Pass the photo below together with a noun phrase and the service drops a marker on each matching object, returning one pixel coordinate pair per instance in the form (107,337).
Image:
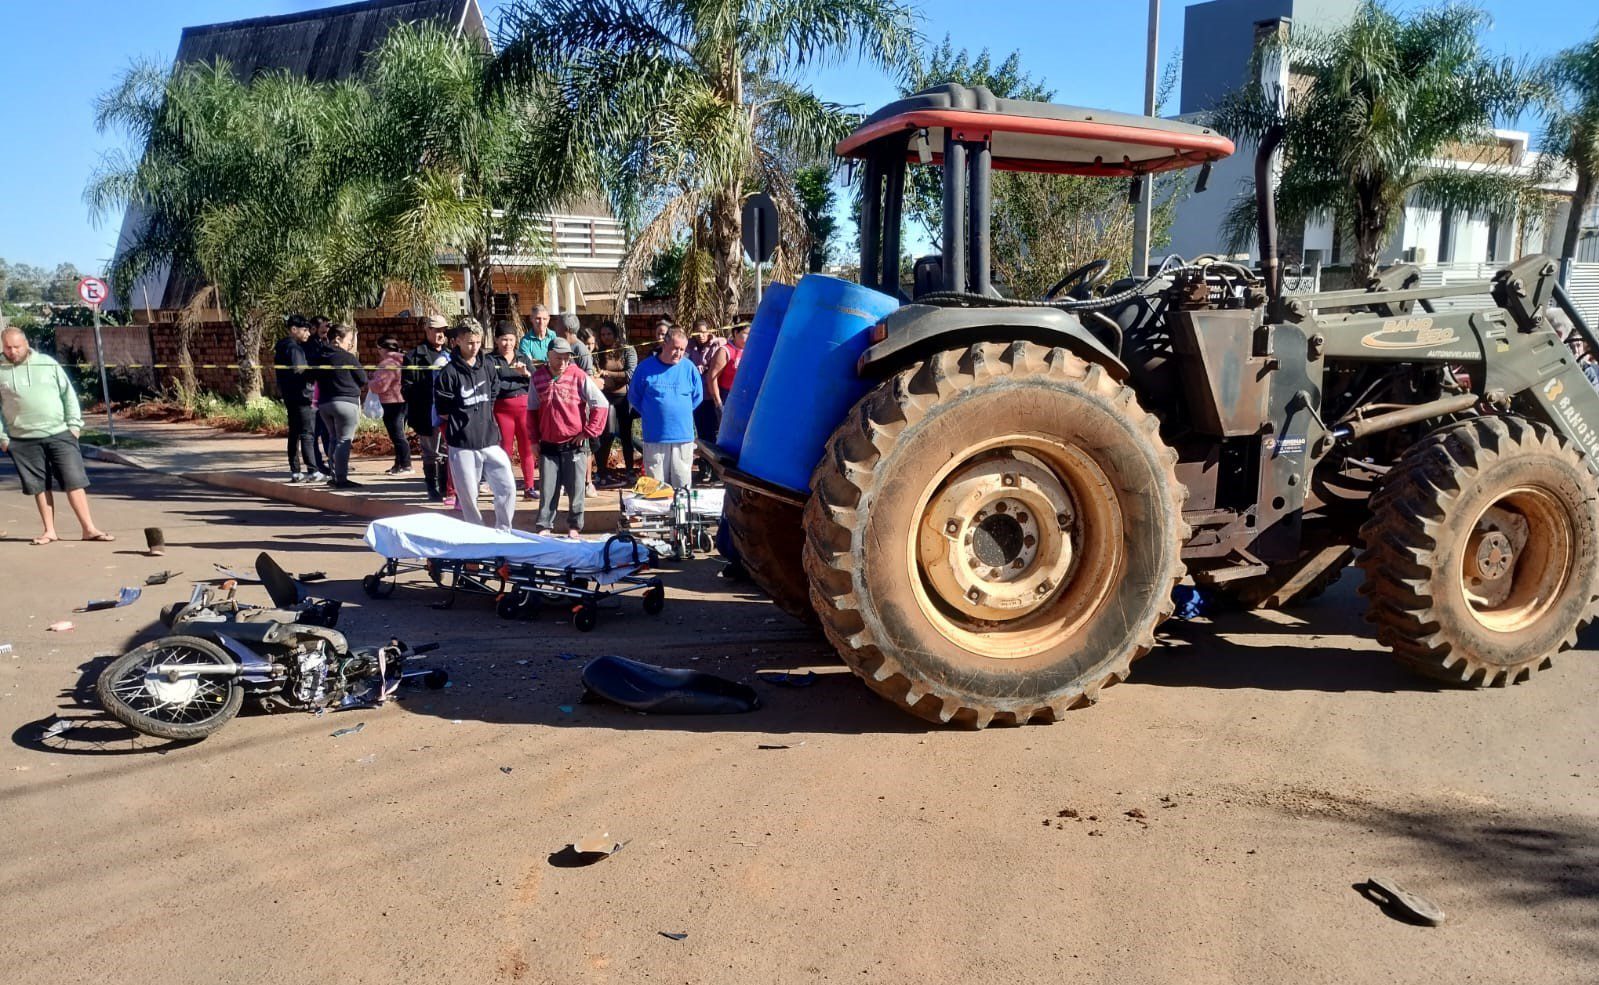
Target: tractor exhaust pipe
(1266,212)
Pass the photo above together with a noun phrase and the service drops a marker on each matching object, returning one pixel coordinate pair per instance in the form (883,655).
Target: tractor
(996,530)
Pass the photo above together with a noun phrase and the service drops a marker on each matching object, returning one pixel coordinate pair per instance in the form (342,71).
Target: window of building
(1446,236)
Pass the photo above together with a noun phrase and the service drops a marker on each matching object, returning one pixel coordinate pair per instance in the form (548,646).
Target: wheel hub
(1495,555)
(171,687)
(1516,560)
(996,539)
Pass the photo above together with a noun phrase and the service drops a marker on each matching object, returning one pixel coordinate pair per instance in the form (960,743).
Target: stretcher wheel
(376,587)
(585,618)
(506,606)
(528,604)
(654,600)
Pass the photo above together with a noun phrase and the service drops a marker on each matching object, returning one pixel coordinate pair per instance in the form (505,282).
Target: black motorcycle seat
(665,690)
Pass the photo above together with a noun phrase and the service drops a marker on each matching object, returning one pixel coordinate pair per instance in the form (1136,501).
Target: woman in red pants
(510,410)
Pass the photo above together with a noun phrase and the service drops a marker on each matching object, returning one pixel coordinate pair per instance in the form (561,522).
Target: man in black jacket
(416,385)
(295,383)
(464,392)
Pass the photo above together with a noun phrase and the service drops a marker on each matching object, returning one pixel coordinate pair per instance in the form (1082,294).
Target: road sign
(760,227)
(93,291)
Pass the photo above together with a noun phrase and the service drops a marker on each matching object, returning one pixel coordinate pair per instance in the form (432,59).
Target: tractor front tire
(1481,557)
(769,536)
(994,534)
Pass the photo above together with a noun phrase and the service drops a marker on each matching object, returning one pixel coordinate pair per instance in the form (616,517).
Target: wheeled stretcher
(522,571)
(679,524)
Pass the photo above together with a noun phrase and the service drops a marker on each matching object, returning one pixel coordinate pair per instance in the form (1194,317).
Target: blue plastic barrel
(811,382)
(758,349)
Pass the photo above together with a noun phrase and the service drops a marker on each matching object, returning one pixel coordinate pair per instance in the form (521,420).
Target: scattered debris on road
(161,577)
(673,937)
(126,596)
(349,731)
(58,627)
(1400,903)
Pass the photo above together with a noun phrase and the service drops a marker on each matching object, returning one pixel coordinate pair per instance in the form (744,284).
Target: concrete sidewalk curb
(310,497)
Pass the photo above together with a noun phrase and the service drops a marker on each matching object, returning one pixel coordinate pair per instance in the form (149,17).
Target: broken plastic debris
(311,576)
(58,627)
(126,596)
(787,678)
(671,936)
(5,647)
(1401,902)
(506,770)
(368,758)
(161,577)
(358,726)
(773,745)
(58,726)
(565,709)
(237,576)
(599,843)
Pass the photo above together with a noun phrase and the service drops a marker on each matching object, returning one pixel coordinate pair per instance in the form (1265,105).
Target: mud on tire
(770,540)
(1481,557)
(935,573)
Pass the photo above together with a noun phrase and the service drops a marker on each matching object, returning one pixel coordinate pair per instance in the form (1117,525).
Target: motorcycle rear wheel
(189,708)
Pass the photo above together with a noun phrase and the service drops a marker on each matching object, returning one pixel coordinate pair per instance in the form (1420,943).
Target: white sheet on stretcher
(706,503)
(430,535)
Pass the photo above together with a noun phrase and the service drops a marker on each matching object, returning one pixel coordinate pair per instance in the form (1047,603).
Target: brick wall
(213,346)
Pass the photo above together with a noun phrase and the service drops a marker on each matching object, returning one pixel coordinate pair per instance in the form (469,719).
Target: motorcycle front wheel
(147,689)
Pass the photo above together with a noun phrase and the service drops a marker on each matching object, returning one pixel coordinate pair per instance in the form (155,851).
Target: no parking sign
(93,291)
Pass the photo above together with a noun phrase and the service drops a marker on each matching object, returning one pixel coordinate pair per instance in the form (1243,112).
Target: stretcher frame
(521,588)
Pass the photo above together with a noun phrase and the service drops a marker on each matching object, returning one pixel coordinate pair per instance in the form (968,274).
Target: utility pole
(1145,208)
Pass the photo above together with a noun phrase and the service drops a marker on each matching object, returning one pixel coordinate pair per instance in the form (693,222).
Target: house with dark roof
(331,43)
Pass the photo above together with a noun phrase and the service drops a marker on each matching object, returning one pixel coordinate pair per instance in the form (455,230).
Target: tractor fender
(916,331)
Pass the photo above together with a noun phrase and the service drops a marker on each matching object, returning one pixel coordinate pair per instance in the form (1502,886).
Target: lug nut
(1021,517)
(1001,506)
(1008,479)
(1029,541)
(1063,519)
(973,596)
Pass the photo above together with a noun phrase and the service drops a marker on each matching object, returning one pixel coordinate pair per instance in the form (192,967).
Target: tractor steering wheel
(1090,273)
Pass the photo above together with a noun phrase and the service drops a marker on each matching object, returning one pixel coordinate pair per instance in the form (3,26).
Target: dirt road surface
(1206,822)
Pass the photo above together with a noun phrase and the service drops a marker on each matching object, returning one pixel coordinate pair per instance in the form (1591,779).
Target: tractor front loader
(995,530)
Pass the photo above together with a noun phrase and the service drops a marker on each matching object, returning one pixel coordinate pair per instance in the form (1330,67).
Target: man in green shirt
(39,427)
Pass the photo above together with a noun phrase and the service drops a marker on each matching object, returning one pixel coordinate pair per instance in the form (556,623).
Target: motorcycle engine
(310,679)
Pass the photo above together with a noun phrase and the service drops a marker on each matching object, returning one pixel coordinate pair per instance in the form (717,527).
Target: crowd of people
(546,403)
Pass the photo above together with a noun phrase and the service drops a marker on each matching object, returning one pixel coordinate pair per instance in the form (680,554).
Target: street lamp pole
(1145,207)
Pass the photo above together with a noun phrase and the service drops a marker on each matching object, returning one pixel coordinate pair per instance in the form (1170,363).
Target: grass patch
(100,439)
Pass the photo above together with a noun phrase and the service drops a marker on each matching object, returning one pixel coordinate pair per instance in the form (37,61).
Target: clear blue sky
(59,55)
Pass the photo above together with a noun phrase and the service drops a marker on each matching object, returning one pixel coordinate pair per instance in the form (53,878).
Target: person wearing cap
(296,385)
(567,328)
(385,385)
(568,410)
(535,342)
(416,386)
(464,392)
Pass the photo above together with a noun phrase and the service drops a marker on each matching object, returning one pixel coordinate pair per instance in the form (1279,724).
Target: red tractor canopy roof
(1032,136)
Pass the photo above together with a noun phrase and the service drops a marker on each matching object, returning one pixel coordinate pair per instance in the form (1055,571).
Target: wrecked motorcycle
(187,685)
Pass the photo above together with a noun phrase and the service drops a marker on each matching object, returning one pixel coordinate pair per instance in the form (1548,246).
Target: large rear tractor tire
(770,539)
(994,535)
(1482,552)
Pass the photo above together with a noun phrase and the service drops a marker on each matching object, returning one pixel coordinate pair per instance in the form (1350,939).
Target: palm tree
(1370,110)
(1572,127)
(431,157)
(680,108)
